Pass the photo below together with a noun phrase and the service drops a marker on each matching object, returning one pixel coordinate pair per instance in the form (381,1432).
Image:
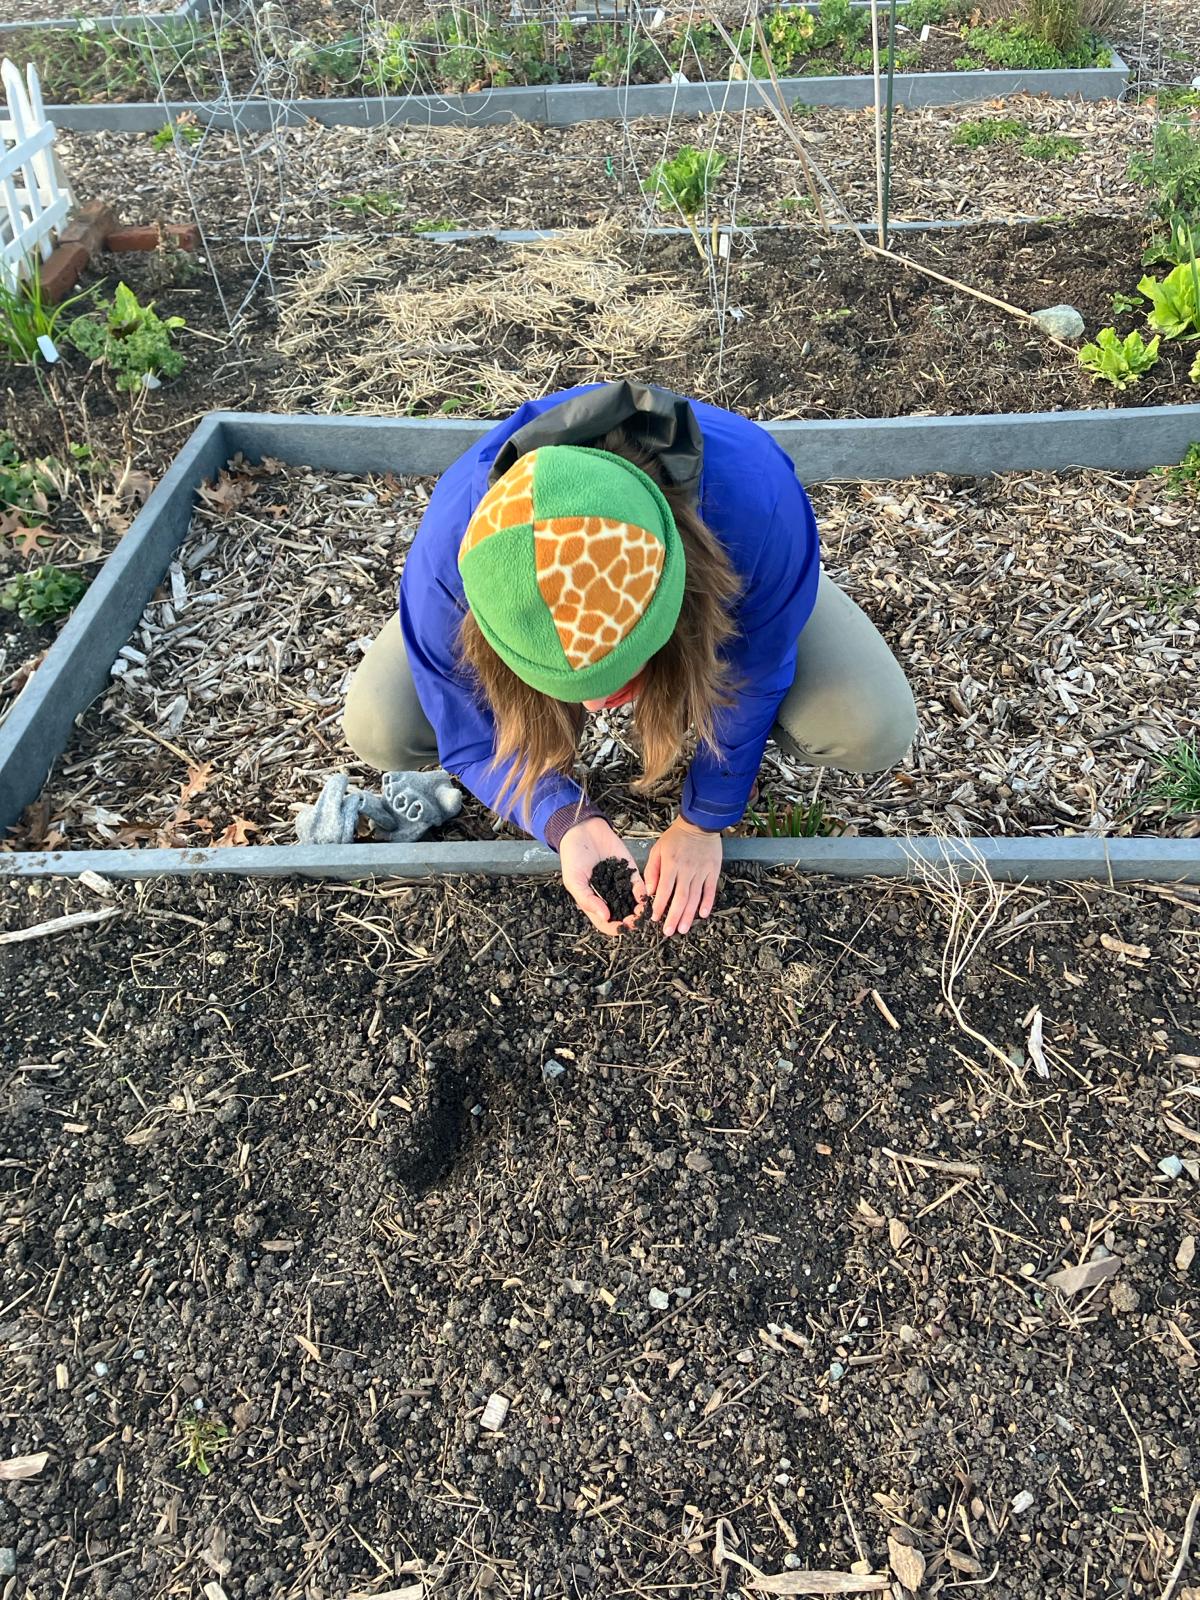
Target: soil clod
(612,880)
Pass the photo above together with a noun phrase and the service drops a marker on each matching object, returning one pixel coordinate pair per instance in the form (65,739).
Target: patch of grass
(978,132)
(43,595)
(793,821)
(1050,147)
(1178,785)
(436,225)
(374,203)
(202,1438)
(1183,481)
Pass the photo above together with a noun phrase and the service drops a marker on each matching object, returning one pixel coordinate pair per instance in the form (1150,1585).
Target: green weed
(1016,45)
(1172,170)
(1183,481)
(26,316)
(172,132)
(793,821)
(25,486)
(374,203)
(685,184)
(975,133)
(1049,147)
(202,1437)
(43,595)
(1178,786)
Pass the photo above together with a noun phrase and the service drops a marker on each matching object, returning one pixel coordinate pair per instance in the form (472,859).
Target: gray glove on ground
(411,804)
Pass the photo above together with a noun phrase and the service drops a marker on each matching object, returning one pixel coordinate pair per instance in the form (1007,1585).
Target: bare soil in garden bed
(34,11)
(311,50)
(800,325)
(384,181)
(770,1270)
(1046,622)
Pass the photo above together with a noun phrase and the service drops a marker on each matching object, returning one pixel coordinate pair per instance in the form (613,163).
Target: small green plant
(1174,301)
(43,595)
(26,317)
(839,25)
(1056,22)
(180,131)
(1172,170)
(1018,45)
(435,225)
(685,184)
(918,14)
(1178,786)
(1174,244)
(789,35)
(336,61)
(1049,147)
(395,63)
(1177,99)
(1125,302)
(374,203)
(974,133)
(25,486)
(202,1437)
(793,821)
(1183,481)
(621,55)
(131,339)
(1118,361)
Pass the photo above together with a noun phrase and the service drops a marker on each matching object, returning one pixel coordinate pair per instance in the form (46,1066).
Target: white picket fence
(35,197)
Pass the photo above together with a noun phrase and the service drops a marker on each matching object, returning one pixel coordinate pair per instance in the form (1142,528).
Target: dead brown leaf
(238,832)
(1140,952)
(906,1562)
(1070,1280)
(18,1467)
(195,783)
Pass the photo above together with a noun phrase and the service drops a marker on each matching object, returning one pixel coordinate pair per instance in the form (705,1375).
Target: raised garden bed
(307,68)
(1039,732)
(801,325)
(88,16)
(294,1174)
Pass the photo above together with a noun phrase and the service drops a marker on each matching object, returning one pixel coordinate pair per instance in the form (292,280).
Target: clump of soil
(612,880)
(764,1264)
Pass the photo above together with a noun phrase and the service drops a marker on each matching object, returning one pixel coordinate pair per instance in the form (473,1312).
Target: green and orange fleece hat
(573,568)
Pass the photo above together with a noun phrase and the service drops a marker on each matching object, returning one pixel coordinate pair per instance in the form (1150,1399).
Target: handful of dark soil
(612,880)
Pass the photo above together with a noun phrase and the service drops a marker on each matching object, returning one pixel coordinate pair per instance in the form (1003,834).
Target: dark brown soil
(47,409)
(613,882)
(812,326)
(286,1162)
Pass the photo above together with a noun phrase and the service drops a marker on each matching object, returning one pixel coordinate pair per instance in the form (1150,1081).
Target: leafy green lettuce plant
(685,183)
(1120,362)
(131,339)
(1175,301)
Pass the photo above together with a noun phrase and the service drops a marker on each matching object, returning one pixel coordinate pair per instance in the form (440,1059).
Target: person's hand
(682,875)
(580,851)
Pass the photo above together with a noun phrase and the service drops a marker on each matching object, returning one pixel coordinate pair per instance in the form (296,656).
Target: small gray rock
(836,1371)
(659,1300)
(1060,322)
(8,1561)
(552,1069)
(1171,1167)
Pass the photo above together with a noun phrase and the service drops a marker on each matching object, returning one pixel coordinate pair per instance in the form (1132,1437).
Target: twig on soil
(959,1169)
(1185,1545)
(74,919)
(1141,1451)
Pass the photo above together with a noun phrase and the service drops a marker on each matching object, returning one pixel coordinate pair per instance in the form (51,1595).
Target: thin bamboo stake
(880,202)
(977,294)
(891,114)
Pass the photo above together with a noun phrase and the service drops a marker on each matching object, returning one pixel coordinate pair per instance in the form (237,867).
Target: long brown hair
(682,686)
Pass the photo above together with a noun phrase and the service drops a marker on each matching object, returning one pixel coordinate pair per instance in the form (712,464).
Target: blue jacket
(751,499)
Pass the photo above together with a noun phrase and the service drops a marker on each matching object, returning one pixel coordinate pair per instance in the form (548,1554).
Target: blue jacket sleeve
(466,730)
(776,602)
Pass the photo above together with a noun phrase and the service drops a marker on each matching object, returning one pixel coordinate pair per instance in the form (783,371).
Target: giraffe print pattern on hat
(507,504)
(597,577)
